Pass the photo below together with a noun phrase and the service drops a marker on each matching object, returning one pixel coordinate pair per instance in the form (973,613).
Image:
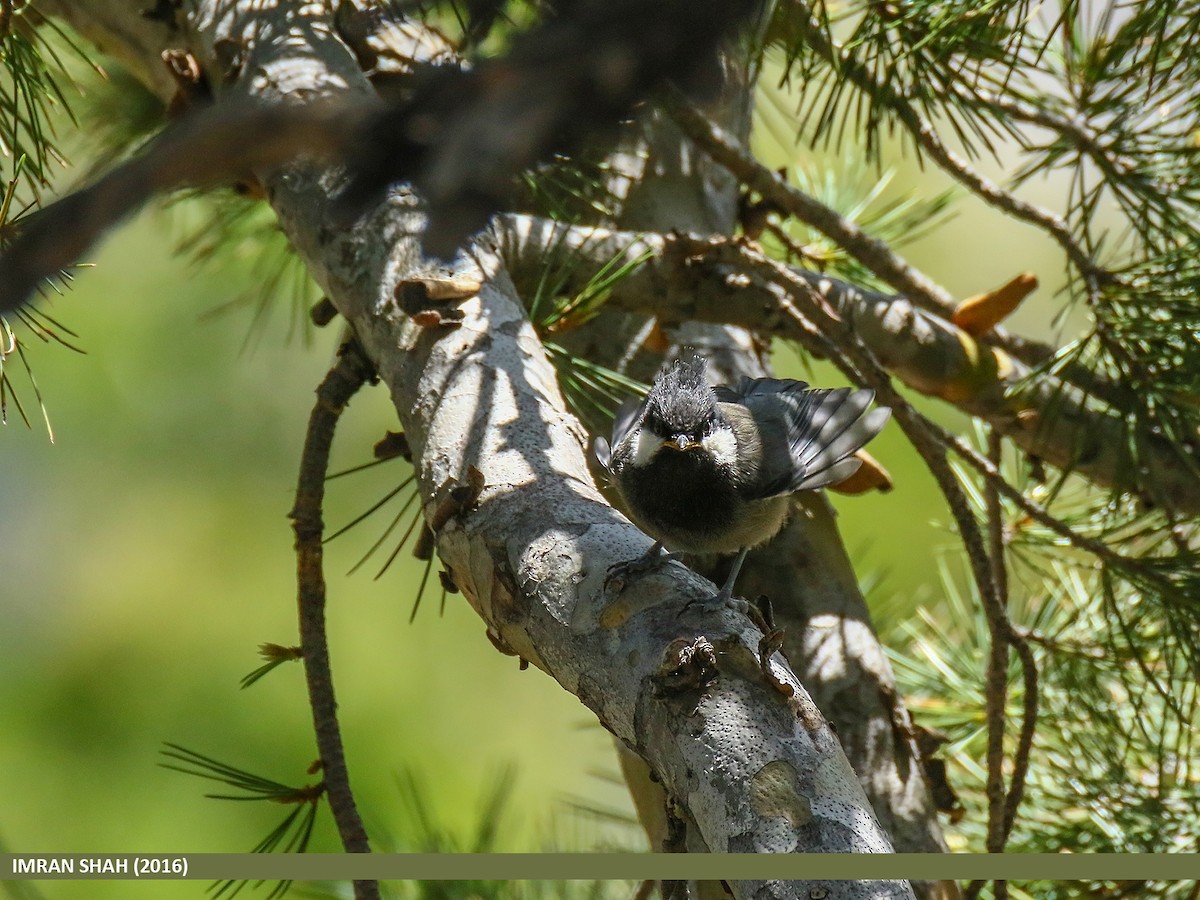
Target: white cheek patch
(722,445)
(644,447)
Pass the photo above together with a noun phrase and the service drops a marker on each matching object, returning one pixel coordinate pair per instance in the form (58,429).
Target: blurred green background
(146,553)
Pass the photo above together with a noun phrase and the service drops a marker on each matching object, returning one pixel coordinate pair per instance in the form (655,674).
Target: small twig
(1072,648)
(997,666)
(350,373)
(798,252)
(927,139)
(994,195)
(1015,639)
(1072,129)
(871,252)
(1029,714)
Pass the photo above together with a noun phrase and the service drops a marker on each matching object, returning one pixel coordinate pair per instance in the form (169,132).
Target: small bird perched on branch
(704,469)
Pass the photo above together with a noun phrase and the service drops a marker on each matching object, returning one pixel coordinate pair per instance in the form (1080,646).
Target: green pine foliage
(1106,92)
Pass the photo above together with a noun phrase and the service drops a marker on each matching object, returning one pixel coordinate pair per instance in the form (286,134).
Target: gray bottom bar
(600,866)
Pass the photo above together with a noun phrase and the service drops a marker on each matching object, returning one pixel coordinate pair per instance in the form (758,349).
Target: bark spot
(504,595)
(806,711)
(775,791)
(616,614)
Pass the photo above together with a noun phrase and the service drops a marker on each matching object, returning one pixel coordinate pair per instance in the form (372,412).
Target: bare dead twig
(1029,714)
(350,373)
(996,680)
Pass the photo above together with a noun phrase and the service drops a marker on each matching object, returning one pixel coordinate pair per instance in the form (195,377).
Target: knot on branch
(687,665)
(456,498)
(431,302)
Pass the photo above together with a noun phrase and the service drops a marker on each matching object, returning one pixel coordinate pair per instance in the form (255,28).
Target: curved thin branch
(987,566)
(349,374)
(927,139)
(997,547)
(996,678)
(871,252)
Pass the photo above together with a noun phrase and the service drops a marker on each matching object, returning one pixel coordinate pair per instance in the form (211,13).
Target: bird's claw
(620,574)
(722,598)
(759,612)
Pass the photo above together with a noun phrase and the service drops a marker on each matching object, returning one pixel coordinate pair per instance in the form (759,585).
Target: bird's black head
(682,403)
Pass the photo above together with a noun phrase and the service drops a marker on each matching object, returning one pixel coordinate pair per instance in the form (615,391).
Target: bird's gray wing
(809,436)
(752,387)
(624,421)
(842,423)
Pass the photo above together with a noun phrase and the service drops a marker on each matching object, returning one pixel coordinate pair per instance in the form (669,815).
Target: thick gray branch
(754,769)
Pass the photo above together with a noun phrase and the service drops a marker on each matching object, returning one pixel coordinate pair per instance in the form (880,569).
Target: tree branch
(878,257)
(349,374)
(829,638)
(871,252)
(756,770)
(722,280)
(927,139)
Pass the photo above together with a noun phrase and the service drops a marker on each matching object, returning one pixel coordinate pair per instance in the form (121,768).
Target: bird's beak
(682,442)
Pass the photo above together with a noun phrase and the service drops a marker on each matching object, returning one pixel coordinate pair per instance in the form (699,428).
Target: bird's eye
(657,425)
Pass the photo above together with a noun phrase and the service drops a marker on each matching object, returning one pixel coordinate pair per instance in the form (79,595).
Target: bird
(706,469)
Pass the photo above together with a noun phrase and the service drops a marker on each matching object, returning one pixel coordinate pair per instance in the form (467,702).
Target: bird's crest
(681,400)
